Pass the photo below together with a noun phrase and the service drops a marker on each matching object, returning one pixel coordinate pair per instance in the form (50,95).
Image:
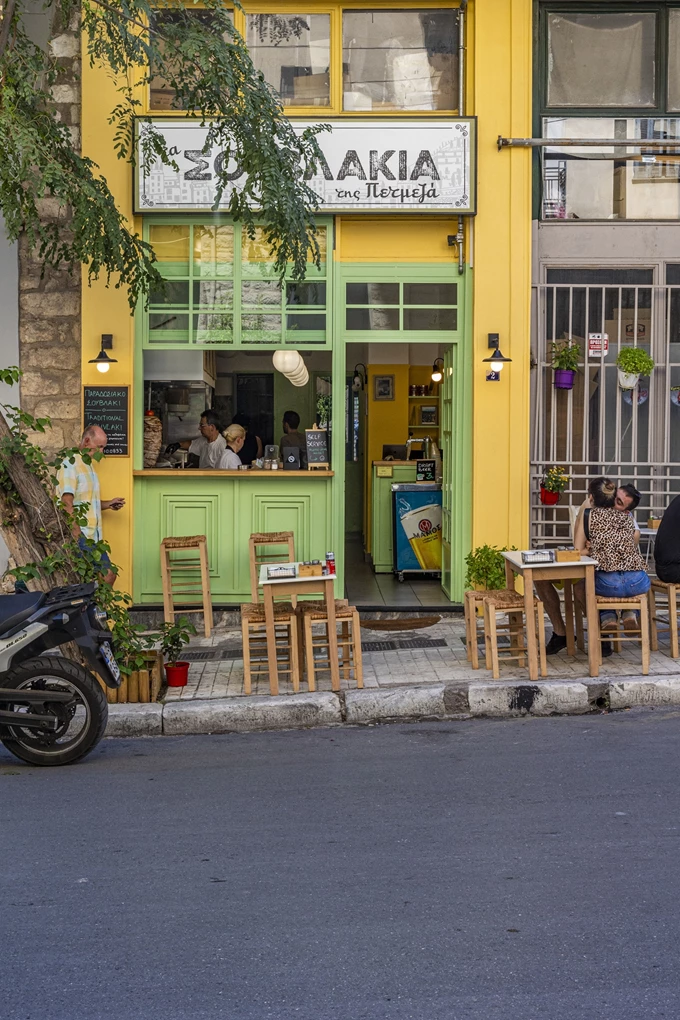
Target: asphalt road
(516,870)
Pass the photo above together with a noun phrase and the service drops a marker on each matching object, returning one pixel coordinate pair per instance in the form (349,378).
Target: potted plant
(173,638)
(565,359)
(485,568)
(675,395)
(553,485)
(632,362)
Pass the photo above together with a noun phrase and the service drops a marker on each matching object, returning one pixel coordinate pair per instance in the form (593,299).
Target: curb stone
(492,699)
(632,693)
(372,706)
(282,712)
(135,721)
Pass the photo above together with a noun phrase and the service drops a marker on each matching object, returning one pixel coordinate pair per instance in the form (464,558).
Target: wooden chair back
(268,547)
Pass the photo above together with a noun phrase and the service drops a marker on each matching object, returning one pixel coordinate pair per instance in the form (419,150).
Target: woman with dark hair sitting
(609,536)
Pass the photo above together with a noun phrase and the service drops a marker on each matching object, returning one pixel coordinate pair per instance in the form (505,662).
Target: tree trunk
(35,528)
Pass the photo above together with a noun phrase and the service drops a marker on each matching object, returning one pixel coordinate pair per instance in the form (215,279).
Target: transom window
(401,307)
(221,290)
(362,60)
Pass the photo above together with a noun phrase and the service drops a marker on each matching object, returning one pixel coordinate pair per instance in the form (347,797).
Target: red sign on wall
(598,344)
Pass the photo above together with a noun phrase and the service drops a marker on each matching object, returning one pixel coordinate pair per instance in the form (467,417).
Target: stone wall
(50,304)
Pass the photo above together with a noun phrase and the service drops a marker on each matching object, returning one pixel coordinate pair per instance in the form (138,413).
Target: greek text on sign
(598,344)
(367,165)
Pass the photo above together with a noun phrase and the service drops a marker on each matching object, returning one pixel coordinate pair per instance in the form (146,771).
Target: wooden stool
(349,640)
(188,558)
(474,600)
(639,634)
(269,547)
(511,603)
(670,624)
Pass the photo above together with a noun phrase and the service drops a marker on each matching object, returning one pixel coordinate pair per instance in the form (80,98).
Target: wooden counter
(226,507)
(258,473)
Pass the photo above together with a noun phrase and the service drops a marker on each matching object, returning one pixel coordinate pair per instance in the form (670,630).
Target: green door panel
(381,515)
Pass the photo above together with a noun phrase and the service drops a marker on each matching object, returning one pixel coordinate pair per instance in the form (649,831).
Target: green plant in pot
(632,362)
(565,360)
(555,481)
(485,568)
(174,636)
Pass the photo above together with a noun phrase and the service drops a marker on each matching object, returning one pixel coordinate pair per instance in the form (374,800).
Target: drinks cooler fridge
(417,528)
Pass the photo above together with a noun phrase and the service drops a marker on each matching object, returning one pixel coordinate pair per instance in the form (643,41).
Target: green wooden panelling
(382,542)
(227,510)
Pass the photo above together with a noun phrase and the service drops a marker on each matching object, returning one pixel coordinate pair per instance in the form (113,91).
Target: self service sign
(366,166)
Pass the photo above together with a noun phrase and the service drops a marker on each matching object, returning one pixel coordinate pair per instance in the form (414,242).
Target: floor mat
(405,623)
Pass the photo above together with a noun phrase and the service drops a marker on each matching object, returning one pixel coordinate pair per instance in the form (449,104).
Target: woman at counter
(235,436)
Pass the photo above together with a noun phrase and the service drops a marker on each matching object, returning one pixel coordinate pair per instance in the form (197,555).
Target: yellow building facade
(483,425)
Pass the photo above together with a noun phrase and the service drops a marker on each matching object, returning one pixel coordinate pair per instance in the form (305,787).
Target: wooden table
(530,572)
(323,586)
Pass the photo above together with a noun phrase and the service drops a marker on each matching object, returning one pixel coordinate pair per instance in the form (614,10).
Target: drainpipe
(461,56)
(460,236)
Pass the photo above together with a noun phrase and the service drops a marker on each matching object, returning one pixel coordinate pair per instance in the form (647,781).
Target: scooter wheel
(81,723)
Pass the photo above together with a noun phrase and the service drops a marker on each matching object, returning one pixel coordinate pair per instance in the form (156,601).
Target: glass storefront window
(400,60)
(293,51)
(673,62)
(601,59)
(604,183)
(220,289)
(161,96)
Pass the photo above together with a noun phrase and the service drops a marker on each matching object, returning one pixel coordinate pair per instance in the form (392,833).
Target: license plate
(110,661)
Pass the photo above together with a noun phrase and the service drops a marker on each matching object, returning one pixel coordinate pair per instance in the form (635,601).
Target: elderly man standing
(77,485)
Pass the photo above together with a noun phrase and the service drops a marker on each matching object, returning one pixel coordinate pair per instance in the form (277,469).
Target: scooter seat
(15,609)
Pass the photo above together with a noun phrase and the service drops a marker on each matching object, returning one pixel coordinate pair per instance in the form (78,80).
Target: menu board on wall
(367,165)
(108,406)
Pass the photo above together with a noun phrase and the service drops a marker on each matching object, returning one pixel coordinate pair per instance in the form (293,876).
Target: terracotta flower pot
(564,378)
(177,673)
(549,498)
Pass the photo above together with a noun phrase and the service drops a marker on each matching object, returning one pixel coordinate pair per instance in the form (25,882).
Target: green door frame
(459,455)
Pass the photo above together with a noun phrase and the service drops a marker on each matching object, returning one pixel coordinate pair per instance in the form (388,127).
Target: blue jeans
(619,584)
(104,561)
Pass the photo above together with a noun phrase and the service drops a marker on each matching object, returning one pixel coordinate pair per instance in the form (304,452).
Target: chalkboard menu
(426,471)
(317,447)
(107,406)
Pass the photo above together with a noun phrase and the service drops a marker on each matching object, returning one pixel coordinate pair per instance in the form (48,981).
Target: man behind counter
(206,452)
(293,438)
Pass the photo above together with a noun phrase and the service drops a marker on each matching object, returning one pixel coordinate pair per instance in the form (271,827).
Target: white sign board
(368,166)
(598,344)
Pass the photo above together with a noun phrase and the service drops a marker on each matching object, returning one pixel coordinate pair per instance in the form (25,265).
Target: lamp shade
(299,378)
(287,362)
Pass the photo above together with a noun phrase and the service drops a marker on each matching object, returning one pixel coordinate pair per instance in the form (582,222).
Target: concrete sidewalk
(408,675)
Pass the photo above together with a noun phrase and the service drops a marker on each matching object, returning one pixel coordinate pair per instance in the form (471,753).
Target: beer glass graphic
(423,529)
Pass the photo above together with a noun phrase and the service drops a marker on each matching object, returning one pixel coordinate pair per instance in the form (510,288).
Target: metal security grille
(598,428)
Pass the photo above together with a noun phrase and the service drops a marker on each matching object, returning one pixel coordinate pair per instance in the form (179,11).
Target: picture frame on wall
(428,414)
(383,387)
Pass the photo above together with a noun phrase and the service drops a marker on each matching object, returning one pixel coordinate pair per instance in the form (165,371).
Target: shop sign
(598,344)
(367,166)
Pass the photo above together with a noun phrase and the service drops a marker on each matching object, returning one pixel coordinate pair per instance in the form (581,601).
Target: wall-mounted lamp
(437,372)
(359,378)
(496,361)
(103,361)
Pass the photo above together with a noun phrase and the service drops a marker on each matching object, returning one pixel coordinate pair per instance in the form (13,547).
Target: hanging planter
(555,481)
(564,379)
(675,395)
(632,362)
(628,380)
(549,498)
(565,361)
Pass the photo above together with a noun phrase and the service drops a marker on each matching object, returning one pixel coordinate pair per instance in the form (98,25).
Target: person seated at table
(626,501)
(667,545)
(609,536)
(252,447)
(292,438)
(235,437)
(206,451)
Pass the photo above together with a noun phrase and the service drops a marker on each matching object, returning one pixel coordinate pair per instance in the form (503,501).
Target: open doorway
(397,431)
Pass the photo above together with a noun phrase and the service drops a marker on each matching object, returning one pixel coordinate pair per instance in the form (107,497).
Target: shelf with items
(427,396)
